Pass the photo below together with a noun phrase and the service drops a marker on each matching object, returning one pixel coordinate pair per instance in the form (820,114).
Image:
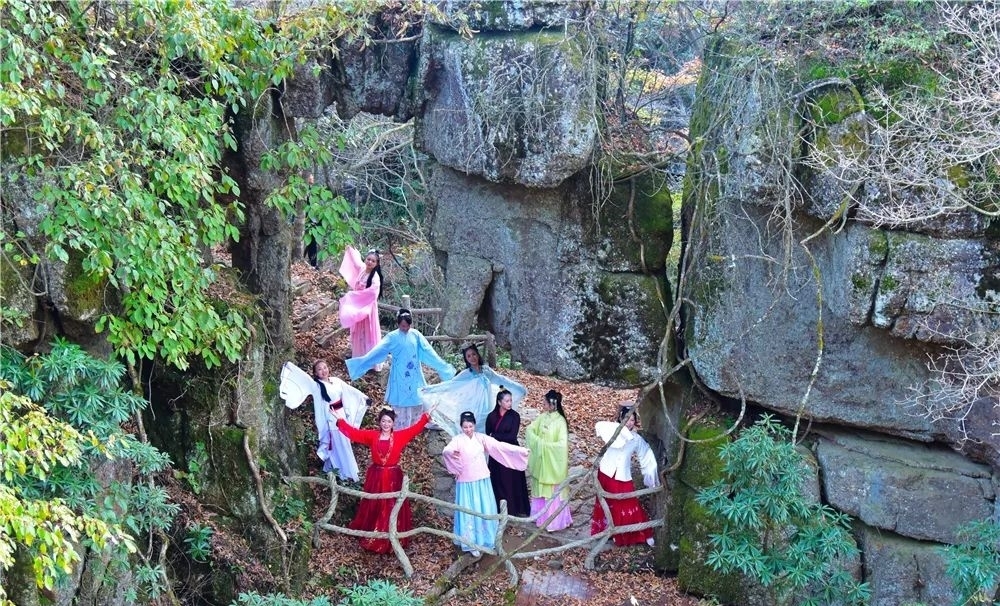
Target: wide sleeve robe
(409,350)
(465,457)
(548,442)
(358,309)
(468,391)
(334,449)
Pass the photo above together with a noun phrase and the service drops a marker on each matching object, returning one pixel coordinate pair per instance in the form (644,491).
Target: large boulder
(549,293)
(911,489)
(507,15)
(797,312)
(515,108)
(904,571)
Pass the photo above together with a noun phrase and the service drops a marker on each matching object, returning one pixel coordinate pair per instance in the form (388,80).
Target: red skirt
(373,514)
(623,512)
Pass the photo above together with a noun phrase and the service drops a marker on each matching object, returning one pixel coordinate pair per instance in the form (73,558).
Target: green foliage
(329,220)
(148,580)
(32,446)
(61,419)
(771,531)
(506,360)
(196,465)
(973,563)
(278,599)
(288,508)
(378,592)
(125,111)
(198,542)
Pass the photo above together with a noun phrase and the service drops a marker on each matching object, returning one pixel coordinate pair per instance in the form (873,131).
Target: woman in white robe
(328,394)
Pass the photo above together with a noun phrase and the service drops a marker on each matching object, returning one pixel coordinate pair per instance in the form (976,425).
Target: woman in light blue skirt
(465,458)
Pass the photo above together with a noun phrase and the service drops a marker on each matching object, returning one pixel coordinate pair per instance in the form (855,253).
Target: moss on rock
(622,323)
(690,524)
(85,291)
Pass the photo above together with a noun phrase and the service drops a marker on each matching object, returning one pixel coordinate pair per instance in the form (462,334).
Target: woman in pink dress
(359,307)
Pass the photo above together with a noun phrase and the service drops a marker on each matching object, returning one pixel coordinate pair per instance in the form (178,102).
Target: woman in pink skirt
(359,307)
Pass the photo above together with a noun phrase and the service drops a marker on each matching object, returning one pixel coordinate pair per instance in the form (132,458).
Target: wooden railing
(596,542)
(488,340)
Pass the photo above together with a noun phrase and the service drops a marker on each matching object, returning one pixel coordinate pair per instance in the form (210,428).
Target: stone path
(539,586)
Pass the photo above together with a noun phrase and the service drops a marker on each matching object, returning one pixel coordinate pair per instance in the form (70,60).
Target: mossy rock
(18,301)
(690,525)
(85,291)
(833,106)
(636,225)
(623,321)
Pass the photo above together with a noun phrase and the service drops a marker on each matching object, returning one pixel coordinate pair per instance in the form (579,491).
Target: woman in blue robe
(474,390)
(409,349)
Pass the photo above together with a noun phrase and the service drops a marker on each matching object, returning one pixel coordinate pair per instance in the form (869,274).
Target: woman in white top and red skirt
(615,476)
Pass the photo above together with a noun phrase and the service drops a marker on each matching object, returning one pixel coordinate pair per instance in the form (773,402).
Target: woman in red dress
(383,475)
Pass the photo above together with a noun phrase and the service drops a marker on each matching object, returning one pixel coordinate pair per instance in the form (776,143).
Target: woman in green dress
(548,443)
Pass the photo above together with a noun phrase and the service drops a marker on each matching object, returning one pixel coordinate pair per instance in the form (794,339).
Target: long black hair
(473,347)
(322,387)
(376,270)
(500,394)
(554,397)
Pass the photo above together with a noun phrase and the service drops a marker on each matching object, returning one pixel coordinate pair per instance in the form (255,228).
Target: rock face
(879,301)
(805,306)
(51,297)
(571,279)
(903,571)
(560,305)
(518,108)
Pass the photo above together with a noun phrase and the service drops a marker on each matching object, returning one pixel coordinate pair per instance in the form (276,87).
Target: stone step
(322,310)
(301,287)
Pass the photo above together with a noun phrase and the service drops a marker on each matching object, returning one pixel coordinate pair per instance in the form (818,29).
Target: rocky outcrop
(509,15)
(217,426)
(771,283)
(372,75)
(803,304)
(570,277)
(561,305)
(904,571)
(517,109)
(52,296)
(913,490)
(263,253)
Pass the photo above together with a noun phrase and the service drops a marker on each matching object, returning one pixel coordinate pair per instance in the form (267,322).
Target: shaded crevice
(879,271)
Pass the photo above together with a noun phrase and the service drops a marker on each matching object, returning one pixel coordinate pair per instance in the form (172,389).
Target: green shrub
(974,563)
(276,599)
(198,542)
(772,532)
(378,592)
(61,417)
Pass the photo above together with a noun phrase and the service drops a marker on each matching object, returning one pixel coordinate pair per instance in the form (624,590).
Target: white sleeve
(647,463)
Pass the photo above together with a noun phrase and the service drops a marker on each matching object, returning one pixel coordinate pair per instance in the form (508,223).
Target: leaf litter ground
(622,575)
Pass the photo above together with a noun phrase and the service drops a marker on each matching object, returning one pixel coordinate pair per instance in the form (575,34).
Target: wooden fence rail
(596,542)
